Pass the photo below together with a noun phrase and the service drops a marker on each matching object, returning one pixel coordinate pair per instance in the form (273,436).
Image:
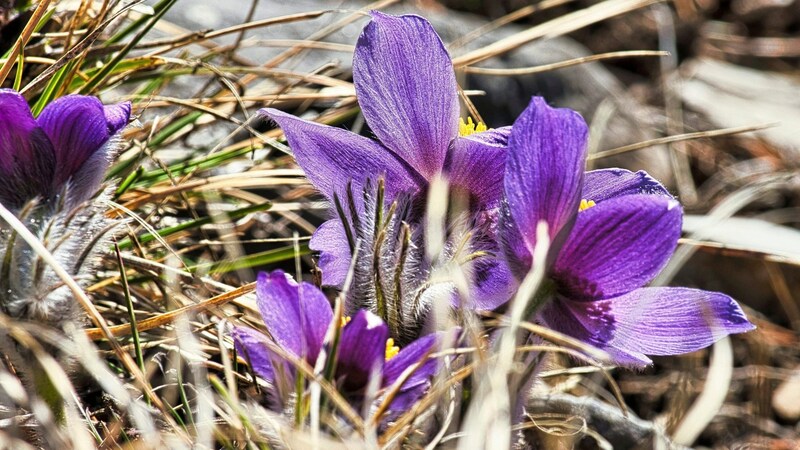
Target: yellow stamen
(391,349)
(345,321)
(586,204)
(470,127)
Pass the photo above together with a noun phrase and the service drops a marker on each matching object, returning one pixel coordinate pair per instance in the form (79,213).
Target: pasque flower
(407,90)
(612,232)
(49,167)
(297,317)
(64,151)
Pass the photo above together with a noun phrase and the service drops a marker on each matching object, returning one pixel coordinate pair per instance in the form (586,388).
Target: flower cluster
(611,230)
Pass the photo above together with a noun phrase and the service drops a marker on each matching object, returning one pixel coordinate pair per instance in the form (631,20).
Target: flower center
(586,204)
(470,127)
(391,349)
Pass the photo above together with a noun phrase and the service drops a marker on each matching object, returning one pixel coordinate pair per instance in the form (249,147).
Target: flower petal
(603,184)
(317,316)
(27,159)
(406,87)
(296,316)
(78,127)
(492,284)
(251,345)
(617,246)
(476,168)
(332,157)
(117,116)
(544,170)
(334,260)
(649,321)
(415,386)
(412,354)
(673,321)
(495,136)
(362,349)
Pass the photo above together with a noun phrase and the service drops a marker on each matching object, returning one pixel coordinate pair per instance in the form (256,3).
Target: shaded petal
(317,316)
(251,345)
(673,321)
(515,250)
(493,284)
(406,87)
(617,246)
(27,159)
(412,354)
(296,316)
(334,259)
(589,322)
(495,136)
(331,157)
(476,168)
(603,184)
(362,349)
(78,127)
(419,381)
(544,169)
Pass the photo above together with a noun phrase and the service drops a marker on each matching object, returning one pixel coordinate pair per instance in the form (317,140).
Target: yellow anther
(391,349)
(586,204)
(470,127)
(345,321)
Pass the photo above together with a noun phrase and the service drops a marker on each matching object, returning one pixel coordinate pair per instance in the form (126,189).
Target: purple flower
(298,316)
(406,87)
(65,147)
(612,232)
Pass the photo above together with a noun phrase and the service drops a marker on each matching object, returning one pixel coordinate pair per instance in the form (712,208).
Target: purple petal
(544,170)
(475,168)
(317,316)
(78,127)
(493,284)
(406,87)
(331,157)
(334,259)
(617,246)
(673,321)
(418,383)
(650,321)
(251,345)
(362,349)
(27,159)
(603,184)
(589,322)
(495,136)
(412,354)
(296,316)
(117,116)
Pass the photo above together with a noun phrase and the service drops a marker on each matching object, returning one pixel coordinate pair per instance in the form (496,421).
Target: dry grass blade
(169,317)
(556,27)
(678,138)
(37,16)
(562,64)
(713,396)
(508,18)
